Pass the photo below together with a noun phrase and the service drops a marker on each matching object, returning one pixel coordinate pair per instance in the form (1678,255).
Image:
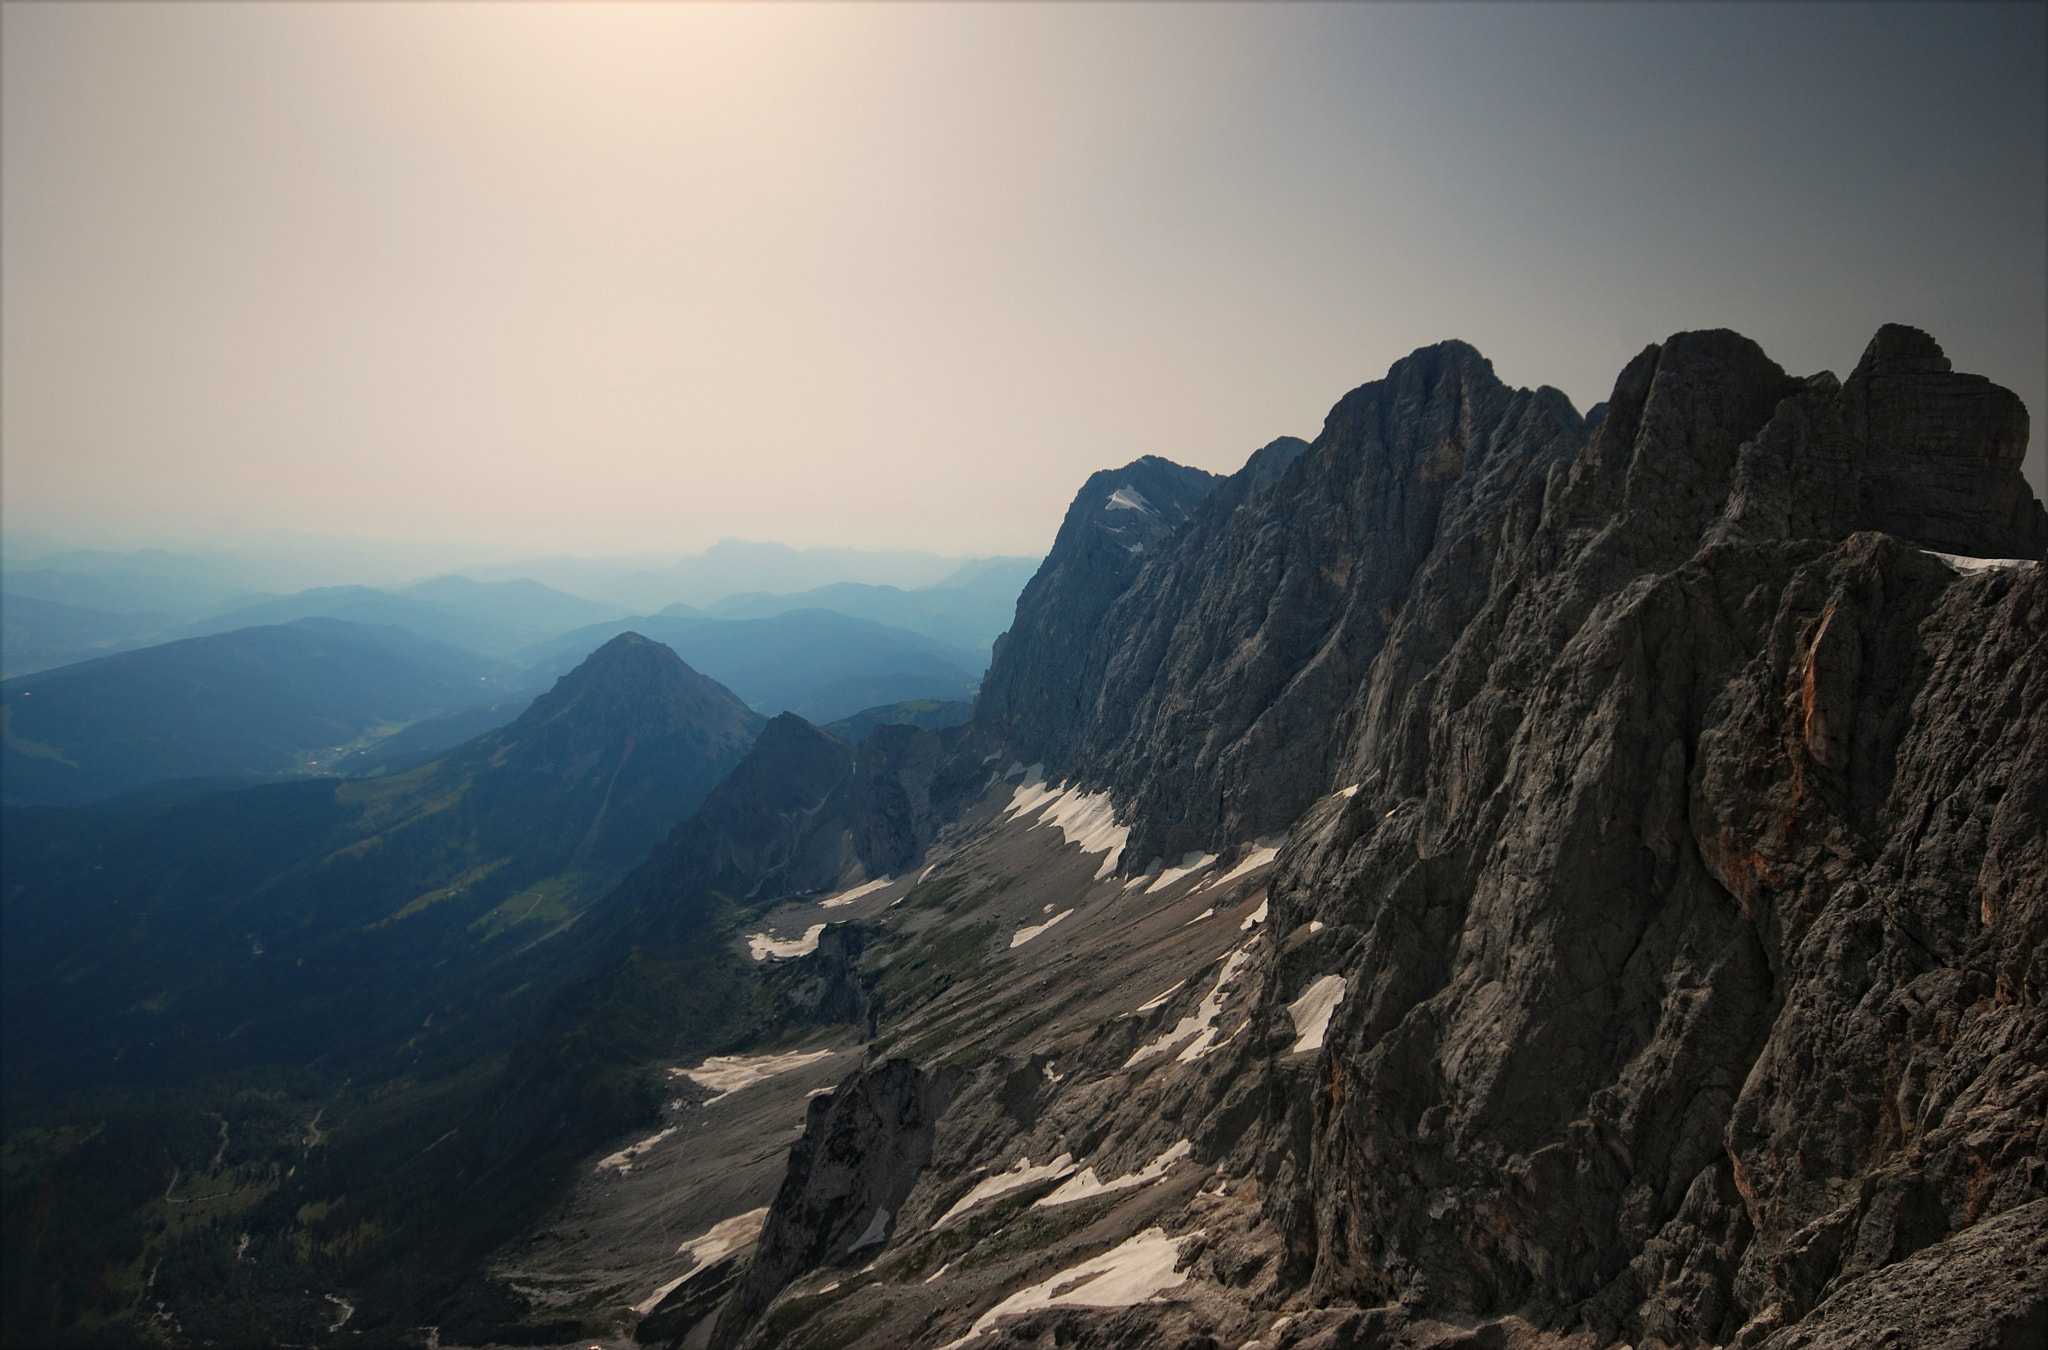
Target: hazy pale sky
(610,278)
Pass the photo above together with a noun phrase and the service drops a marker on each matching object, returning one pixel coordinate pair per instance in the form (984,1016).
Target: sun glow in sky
(611,278)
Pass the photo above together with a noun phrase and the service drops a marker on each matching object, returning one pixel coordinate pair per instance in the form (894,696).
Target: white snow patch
(1253,861)
(820,1092)
(1189,865)
(1208,913)
(1255,918)
(721,1240)
(727,1074)
(1137,1270)
(1311,1012)
(1085,1186)
(627,1156)
(1128,498)
(940,1271)
(1031,794)
(1084,819)
(1149,1004)
(1024,935)
(765,945)
(646,1305)
(1002,1183)
(848,897)
(1200,1024)
(1963,564)
(877,1231)
(1316,925)
(1351,791)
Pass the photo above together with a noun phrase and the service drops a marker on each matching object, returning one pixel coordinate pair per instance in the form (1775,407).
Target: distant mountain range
(407,673)
(813,662)
(969,611)
(495,619)
(254,703)
(323,695)
(172,589)
(928,713)
(739,566)
(826,653)
(304,920)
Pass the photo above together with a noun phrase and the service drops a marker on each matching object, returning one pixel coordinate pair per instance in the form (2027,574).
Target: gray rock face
(1205,695)
(1031,697)
(862,1150)
(1905,446)
(1673,819)
(1692,900)
(1692,904)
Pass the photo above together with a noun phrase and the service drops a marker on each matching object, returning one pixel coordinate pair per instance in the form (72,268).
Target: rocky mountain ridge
(1666,876)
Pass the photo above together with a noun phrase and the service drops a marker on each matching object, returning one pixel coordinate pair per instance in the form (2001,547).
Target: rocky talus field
(1491,877)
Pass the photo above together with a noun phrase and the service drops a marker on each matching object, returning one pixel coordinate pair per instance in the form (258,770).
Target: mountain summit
(627,693)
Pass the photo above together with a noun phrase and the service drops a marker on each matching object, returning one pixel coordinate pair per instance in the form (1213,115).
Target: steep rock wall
(1671,810)
(1691,903)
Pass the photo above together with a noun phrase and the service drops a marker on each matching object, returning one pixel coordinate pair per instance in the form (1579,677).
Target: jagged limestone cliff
(1656,956)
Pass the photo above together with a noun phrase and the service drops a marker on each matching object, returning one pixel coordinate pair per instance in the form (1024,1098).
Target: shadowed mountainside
(325,919)
(258,703)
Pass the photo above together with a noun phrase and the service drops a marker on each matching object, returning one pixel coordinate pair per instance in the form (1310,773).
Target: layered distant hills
(327,918)
(814,662)
(356,680)
(70,607)
(257,702)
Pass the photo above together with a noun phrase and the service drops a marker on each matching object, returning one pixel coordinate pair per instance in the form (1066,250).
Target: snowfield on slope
(721,1240)
(1086,1186)
(1024,935)
(848,897)
(1189,865)
(624,1159)
(1200,1024)
(1262,854)
(1084,819)
(1133,1272)
(765,945)
(1002,1183)
(727,1074)
(1311,1012)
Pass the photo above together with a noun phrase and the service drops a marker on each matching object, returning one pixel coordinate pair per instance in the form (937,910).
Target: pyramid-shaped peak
(631,688)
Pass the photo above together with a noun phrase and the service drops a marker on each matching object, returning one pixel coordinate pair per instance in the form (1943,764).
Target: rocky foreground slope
(1656,950)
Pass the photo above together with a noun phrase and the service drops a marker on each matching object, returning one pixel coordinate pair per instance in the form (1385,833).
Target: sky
(606,279)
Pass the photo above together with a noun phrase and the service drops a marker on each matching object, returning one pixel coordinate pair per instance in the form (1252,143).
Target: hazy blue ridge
(37,634)
(257,702)
(324,920)
(818,663)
